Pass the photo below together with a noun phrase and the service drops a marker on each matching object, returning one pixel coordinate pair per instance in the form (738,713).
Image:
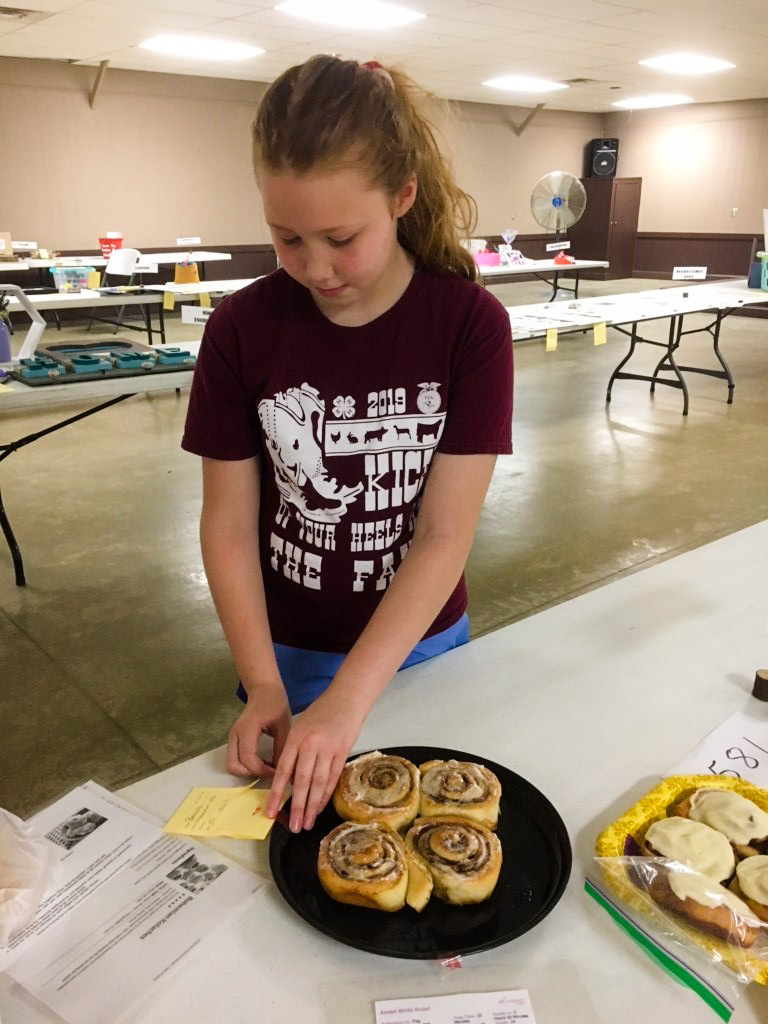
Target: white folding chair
(121,263)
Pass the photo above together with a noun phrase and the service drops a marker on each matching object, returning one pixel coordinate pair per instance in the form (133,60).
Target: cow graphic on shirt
(293,425)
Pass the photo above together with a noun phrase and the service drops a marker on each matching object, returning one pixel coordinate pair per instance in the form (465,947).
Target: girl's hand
(266,713)
(313,757)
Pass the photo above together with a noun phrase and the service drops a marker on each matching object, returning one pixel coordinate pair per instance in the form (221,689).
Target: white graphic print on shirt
(396,449)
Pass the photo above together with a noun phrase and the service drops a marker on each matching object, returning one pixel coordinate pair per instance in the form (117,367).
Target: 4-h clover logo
(344,407)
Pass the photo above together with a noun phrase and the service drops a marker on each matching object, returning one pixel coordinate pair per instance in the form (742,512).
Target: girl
(348,408)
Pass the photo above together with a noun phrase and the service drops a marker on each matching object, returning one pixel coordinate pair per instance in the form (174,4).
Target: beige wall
(697,162)
(158,157)
(163,156)
(501,169)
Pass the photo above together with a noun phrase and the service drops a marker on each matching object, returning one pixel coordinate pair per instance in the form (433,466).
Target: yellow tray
(616,841)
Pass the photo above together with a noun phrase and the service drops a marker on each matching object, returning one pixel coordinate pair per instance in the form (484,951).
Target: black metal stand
(556,287)
(667,362)
(146,312)
(10,448)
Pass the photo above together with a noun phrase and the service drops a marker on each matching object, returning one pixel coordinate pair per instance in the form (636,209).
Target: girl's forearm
(231,560)
(421,586)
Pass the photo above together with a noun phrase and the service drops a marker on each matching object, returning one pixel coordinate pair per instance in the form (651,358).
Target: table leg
(8,449)
(13,547)
(667,361)
(633,340)
(147,312)
(716,341)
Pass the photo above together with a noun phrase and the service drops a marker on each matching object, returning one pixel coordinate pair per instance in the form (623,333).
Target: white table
(543,269)
(105,392)
(628,309)
(591,701)
(172,291)
(88,298)
(9,267)
(196,255)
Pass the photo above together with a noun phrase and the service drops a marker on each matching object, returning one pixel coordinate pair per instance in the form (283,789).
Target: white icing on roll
(458,782)
(689,885)
(728,812)
(694,844)
(752,874)
(364,852)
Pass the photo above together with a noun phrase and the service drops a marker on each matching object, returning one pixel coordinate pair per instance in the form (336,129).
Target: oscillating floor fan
(557,202)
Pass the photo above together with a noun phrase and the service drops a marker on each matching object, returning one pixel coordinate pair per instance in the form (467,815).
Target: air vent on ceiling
(22,16)
(579,81)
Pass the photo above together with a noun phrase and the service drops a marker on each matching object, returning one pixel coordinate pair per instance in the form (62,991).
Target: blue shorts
(306,674)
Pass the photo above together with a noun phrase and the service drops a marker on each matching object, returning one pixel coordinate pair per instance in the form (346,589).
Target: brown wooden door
(625,210)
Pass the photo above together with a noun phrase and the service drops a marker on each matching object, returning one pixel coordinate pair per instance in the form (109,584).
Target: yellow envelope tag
(236,812)
(94,278)
(551,343)
(205,299)
(599,334)
(169,300)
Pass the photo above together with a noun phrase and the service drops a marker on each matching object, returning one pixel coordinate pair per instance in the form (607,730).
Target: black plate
(534,873)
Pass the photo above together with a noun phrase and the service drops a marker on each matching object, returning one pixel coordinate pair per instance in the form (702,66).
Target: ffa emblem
(428,400)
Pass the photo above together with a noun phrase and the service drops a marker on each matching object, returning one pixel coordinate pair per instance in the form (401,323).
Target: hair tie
(379,69)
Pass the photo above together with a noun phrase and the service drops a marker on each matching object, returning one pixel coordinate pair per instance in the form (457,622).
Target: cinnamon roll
(378,787)
(751,884)
(743,823)
(365,865)
(705,904)
(693,844)
(463,857)
(460,787)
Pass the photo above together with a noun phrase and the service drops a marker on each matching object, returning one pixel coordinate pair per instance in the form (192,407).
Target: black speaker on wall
(602,158)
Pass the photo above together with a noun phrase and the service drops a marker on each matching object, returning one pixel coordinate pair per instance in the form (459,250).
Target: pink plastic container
(487,259)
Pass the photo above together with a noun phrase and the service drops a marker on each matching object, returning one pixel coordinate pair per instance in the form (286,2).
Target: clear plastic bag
(716,960)
(27,865)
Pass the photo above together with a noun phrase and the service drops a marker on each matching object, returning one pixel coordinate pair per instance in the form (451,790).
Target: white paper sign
(24,246)
(557,246)
(195,314)
(689,273)
(508,1007)
(143,267)
(192,240)
(738,748)
(135,904)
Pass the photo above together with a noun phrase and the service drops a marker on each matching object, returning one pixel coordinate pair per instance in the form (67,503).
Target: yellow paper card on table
(599,334)
(205,299)
(169,300)
(551,343)
(234,812)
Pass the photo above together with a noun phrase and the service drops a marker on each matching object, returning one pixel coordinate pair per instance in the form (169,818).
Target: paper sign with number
(738,748)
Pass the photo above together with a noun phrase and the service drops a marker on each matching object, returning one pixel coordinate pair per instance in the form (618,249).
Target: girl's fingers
(317,798)
(280,780)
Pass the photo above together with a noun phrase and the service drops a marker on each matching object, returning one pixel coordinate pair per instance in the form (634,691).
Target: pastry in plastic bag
(27,864)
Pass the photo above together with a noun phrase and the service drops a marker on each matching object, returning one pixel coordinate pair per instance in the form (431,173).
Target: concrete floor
(113,664)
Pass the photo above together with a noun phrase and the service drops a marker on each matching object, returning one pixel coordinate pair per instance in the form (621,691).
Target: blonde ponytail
(330,112)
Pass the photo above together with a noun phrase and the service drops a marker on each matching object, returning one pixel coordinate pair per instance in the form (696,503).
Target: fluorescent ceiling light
(200,48)
(522,83)
(686,64)
(360,14)
(670,99)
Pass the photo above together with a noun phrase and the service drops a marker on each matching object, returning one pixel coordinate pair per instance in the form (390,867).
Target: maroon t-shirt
(346,421)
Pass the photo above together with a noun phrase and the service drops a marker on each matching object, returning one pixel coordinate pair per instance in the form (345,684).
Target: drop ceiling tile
(205,8)
(568,10)
(121,14)
(42,5)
